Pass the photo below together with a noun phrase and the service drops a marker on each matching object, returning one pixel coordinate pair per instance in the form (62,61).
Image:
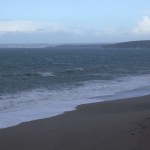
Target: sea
(38,83)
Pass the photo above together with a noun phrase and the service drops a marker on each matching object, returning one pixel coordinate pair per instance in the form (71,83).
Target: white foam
(80,69)
(46,74)
(42,103)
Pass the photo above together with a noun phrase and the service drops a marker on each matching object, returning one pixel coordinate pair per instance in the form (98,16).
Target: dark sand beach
(112,125)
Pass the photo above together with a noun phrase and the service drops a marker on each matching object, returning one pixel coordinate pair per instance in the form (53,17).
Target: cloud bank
(28,26)
(34,26)
(143,27)
(38,31)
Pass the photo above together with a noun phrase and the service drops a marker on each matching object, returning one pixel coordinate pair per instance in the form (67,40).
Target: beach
(118,124)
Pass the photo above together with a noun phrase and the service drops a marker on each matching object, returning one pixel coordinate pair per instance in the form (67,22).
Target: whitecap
(46,74)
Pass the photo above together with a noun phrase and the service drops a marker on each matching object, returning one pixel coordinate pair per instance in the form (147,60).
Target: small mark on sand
(144,127)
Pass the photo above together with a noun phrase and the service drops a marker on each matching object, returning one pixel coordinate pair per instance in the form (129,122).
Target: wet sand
(113,125)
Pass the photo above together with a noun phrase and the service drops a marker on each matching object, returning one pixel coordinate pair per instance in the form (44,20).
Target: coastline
(118,124)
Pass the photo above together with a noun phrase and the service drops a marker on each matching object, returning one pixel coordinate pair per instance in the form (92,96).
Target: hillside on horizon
(130,44)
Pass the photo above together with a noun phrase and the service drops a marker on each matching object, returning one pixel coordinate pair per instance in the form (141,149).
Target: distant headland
(130,44)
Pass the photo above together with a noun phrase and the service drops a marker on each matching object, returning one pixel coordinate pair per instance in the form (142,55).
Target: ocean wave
(46,74)
(74,70)
(42,74)
(60,63)
(42,103)
(18,74)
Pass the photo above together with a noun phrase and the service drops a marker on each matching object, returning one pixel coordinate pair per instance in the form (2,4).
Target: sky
(74,21)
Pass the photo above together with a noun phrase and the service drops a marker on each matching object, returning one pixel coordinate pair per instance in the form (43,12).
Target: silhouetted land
(130,44)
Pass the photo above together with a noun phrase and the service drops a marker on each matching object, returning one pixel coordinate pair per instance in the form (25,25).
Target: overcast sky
(74,21)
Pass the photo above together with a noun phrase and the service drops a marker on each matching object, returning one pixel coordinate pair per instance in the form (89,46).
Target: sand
(112,125)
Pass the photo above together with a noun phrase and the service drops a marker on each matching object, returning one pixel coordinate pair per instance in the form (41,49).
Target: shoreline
(119,124)
(7,124)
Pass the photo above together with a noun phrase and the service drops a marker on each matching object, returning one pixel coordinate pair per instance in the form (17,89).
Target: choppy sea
(43,82)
